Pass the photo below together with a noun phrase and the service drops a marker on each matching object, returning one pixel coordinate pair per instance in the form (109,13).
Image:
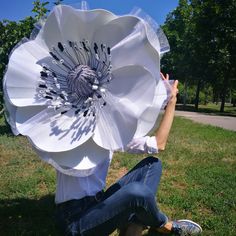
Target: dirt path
(225,122)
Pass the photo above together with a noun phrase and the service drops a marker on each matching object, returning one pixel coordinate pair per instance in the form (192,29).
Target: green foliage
(202,37)
(11,33)
(40,9)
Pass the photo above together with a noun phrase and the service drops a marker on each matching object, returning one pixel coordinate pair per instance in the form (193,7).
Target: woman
(130,202)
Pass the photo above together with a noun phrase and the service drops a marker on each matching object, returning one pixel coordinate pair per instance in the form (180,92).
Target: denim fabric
(131,199)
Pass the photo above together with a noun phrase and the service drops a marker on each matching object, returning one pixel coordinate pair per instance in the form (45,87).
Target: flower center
(77,78)
(81,81)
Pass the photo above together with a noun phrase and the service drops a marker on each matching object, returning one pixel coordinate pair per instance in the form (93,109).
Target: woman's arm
(167,120)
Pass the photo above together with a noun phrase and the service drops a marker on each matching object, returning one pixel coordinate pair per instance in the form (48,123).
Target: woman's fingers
(175,85)
(167,76)
(174,88)
(164,77)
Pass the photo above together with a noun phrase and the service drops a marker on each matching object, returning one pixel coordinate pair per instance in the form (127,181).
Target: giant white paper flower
(82,87)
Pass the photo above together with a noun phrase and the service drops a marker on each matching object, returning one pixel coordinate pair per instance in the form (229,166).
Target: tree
(202,36)
(178,28)
(40,9)
(11,33)
(215,24)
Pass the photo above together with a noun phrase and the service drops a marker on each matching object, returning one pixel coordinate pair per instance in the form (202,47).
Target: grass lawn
(210,108)
(198,182)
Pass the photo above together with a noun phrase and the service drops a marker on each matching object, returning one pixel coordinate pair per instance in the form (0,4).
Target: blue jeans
(131,199)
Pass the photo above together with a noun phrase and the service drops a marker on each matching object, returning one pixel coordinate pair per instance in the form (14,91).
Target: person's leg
(134,199)
(148,171)
(123,201)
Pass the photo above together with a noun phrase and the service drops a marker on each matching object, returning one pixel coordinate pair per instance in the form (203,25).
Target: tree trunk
(234,102)
(222,106)
(224,92)
(185,94)
(197,95)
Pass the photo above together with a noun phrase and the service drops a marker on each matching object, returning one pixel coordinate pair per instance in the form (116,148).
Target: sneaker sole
(192,222)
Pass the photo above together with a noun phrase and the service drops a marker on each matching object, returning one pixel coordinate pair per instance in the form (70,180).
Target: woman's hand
(174,88)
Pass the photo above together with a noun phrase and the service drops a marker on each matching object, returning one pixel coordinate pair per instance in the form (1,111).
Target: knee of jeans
(138,190)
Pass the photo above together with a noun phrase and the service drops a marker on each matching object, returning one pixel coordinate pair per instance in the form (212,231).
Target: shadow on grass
(28,217)
(5,128)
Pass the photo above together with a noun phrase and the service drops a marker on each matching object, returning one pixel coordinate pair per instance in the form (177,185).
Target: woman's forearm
(165,125)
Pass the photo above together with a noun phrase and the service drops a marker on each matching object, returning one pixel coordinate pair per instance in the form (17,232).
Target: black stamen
(53,92)
(48,97)
(43,74)
(70,44)
(104,104)
(84,46)
(102,46)
(42,86)
(77,111)
(54,74)
(85,113)
(62,96)
(54,56)
(60,46)
(95,48)
(63,112)
(109,50)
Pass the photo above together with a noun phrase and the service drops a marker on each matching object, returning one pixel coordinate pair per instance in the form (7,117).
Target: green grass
(198,182)
(210,108)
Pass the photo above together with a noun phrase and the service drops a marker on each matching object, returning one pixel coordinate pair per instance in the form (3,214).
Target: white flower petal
(66,23)
(117,30)
(10,110)
(115,127)
(152,37)
(136,49)
(131,91)
(148,118)
(23,74)
(81,161)
(52,131)
(10,114)
(133,86)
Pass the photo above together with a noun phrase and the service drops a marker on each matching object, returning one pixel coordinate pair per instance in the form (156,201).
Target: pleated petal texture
(148,119)
(23,74)
(66,23)
(10,115)
(52,131)
(81,161)
(136,49)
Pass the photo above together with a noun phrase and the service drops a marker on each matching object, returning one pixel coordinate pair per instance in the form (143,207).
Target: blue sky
(157,9)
